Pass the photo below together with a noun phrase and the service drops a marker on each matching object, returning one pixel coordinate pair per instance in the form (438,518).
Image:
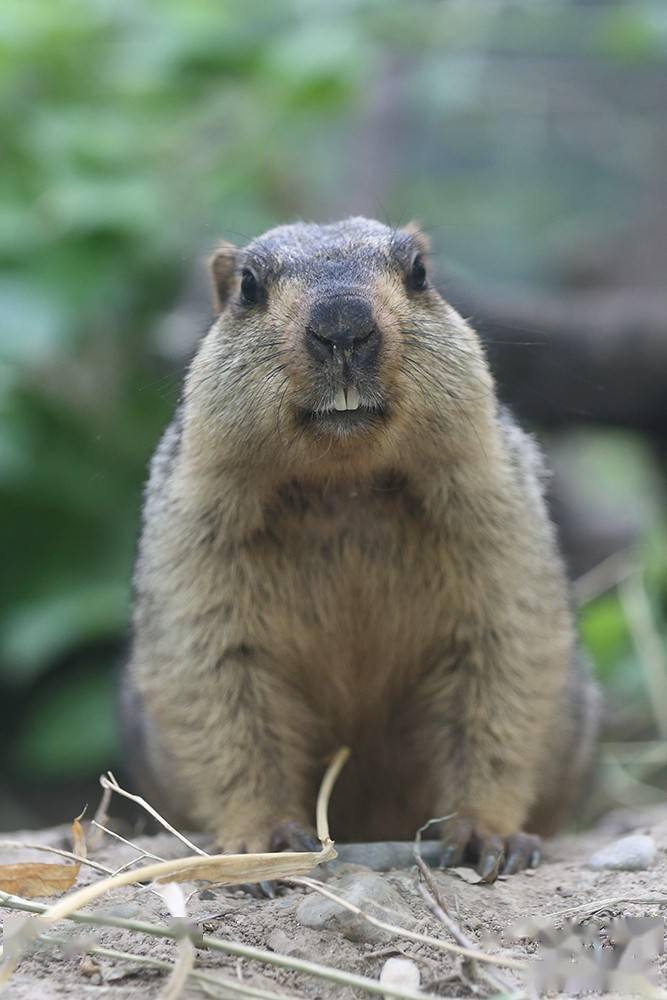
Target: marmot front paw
(462,841)
(282,835)
(292,836)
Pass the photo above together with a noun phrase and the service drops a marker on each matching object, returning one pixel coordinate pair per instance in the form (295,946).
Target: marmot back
(345,542)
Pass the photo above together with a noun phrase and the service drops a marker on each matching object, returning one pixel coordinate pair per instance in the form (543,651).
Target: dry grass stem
(328,782)
(595,905)
(109,782)
(223,869)
(474,954)
(99,819)
(180,972)
(608,574)
(328,973)
(230,986)
(623,788)
(117,836)
(416,844)
(128,864)
(395,949)
(431,896)
(172,896)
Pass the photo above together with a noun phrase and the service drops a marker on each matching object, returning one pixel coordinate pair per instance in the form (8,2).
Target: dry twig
(108,782)
(230,869)
(101,817)
(117,836)
(173,896)
(231,986)
(431,896)
(324,794)
(607,575)
(338,976)
(472,953)
(595,905)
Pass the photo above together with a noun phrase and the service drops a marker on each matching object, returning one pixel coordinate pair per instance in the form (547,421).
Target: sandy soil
(488,915)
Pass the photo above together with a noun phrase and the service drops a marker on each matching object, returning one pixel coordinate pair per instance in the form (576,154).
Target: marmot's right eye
(417,278)
(249,287)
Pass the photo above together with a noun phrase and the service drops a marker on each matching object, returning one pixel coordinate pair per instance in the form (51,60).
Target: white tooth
(339,400)
(353,398)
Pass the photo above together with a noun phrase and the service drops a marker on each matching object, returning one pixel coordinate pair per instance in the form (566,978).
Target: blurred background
(529,138)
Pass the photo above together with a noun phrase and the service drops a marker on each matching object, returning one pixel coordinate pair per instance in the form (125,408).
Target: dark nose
(341,321)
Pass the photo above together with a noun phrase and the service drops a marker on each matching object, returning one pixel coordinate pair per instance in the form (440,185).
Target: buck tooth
(340,402)
(353,398)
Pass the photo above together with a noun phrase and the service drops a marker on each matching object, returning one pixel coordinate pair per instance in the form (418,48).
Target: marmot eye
(417,280)
(249,287)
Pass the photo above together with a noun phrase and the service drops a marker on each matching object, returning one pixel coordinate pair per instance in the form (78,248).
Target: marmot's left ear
(222,265)
(414,230)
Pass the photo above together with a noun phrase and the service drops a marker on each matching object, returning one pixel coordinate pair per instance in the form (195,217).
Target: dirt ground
(490,915)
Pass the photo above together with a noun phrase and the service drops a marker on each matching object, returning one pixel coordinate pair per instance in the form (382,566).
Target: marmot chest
(355,577)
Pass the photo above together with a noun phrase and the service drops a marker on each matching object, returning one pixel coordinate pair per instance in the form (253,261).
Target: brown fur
(397,589)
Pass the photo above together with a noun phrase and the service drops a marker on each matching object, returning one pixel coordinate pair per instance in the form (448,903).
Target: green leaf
(605,633)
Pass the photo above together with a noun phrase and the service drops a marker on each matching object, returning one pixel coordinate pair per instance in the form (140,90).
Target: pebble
(634,853)
(371,893)
(400,974)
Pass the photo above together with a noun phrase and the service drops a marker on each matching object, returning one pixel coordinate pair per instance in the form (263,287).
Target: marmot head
(332,345)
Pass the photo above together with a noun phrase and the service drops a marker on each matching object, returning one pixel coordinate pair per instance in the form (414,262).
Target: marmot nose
(341,321)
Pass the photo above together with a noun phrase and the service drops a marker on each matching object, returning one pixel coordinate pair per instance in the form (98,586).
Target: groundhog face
(335,335)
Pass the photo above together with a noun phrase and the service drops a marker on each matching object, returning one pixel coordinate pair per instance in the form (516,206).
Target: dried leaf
(468,875)
(78,839)
(229,869)
(32,879)
(224,869)
(174,898)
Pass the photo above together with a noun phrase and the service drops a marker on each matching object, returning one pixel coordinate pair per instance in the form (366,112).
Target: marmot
(345,541)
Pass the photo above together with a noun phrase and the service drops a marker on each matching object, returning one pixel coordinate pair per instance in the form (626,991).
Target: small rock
(368,891)
(634,853)
(91,969)
(400,974)
(281,943)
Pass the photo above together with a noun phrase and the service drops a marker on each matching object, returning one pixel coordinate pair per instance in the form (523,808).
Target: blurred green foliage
(135,133)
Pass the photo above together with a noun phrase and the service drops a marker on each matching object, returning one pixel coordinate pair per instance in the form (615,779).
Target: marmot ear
(222,265)
(414,230)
